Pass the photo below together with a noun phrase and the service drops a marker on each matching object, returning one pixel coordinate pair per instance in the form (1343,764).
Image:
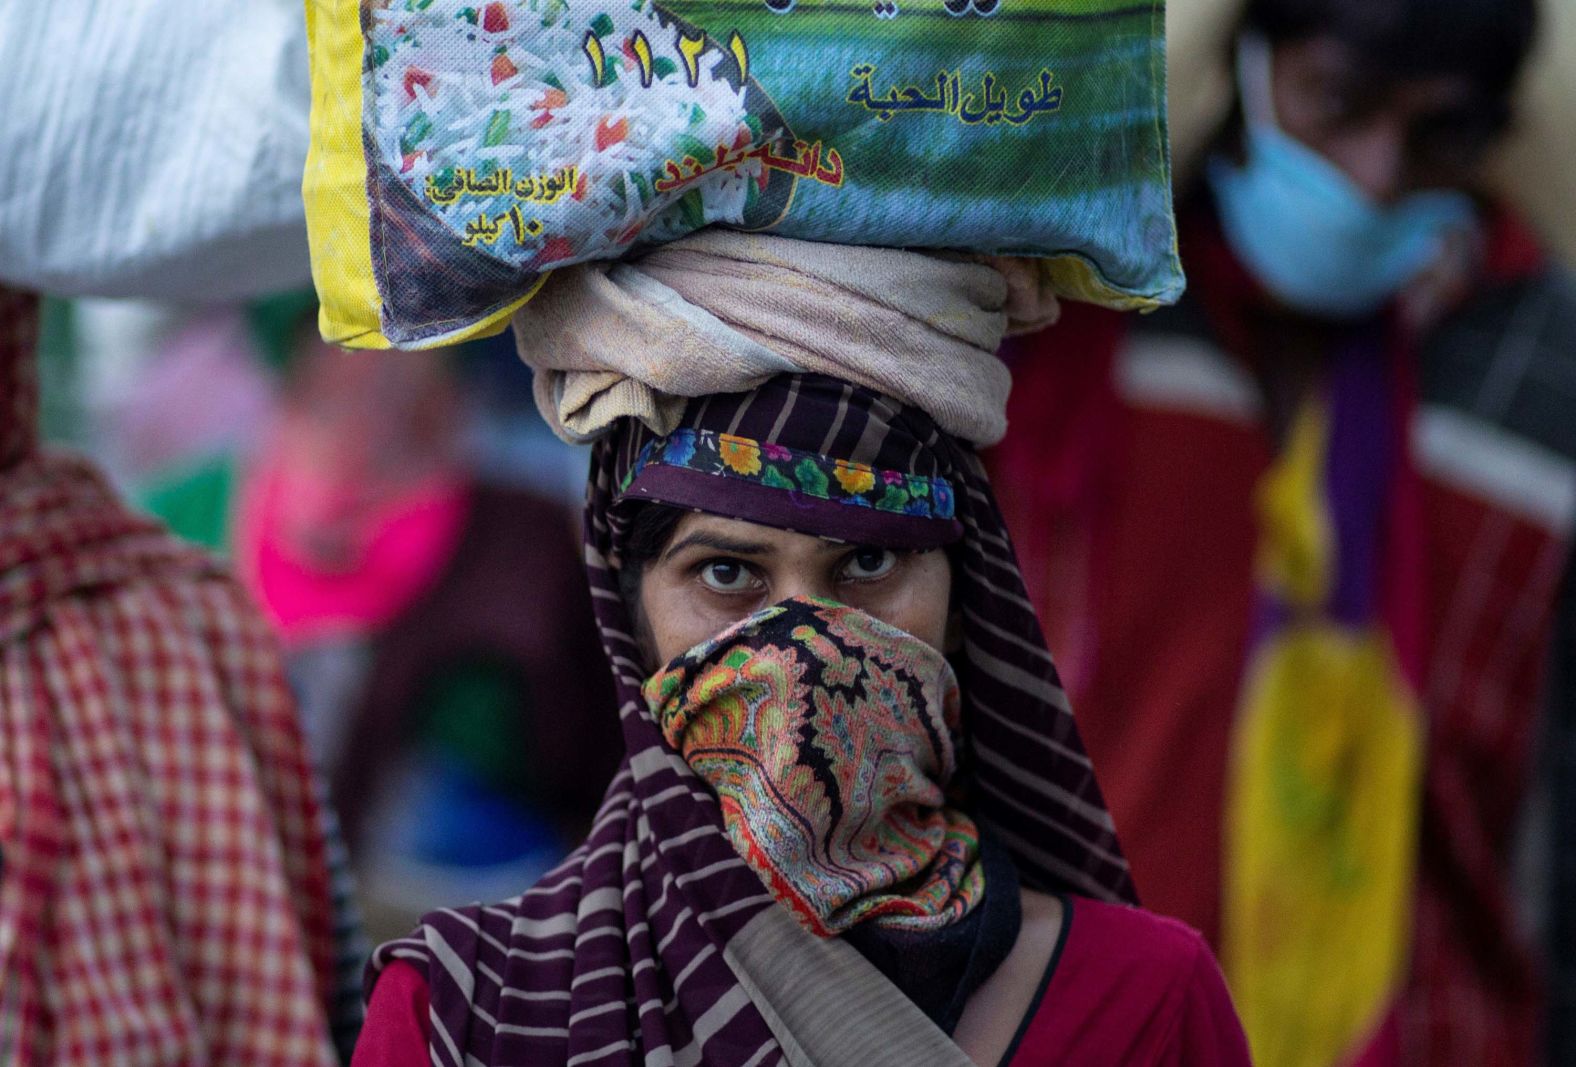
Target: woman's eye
(727,576)
(869,563)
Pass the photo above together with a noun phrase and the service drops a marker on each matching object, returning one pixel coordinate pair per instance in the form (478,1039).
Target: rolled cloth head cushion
(722,312)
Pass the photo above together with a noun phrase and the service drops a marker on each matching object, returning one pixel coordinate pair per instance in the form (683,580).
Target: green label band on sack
(494,141)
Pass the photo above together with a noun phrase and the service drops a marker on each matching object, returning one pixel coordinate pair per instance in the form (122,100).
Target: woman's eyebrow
(719,543)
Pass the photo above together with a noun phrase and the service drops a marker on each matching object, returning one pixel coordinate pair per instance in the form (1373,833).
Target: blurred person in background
(438,628)
(1299,543)
(171,887)
(168,872)
(185,468)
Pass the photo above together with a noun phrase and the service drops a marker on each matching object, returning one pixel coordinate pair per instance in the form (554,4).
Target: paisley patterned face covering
(830,739)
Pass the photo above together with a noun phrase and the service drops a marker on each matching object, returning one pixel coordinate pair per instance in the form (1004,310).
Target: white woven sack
(153,148)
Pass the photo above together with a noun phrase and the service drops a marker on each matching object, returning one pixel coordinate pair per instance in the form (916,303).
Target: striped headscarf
(618,955)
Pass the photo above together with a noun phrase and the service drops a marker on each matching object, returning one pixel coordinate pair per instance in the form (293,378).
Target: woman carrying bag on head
(855,822)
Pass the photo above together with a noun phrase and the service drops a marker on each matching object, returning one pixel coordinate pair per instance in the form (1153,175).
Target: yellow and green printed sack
(462,149)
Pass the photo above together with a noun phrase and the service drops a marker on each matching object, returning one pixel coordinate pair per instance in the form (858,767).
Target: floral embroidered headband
(751,477)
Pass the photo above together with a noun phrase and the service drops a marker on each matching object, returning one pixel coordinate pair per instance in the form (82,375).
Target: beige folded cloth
(722,312)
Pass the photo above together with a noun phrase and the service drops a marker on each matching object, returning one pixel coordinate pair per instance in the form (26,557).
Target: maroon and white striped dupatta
(636,948)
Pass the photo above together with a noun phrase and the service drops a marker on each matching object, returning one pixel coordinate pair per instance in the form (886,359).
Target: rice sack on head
(462,149)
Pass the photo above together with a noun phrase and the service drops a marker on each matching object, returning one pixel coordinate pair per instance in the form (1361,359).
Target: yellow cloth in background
(1323,796)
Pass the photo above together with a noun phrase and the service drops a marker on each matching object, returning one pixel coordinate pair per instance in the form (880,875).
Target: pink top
(1124,986)
(1129,987)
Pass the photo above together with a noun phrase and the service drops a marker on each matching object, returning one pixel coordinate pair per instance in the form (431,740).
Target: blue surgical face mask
(1306,231)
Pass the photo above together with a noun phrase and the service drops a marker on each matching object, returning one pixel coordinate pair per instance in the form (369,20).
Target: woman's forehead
(698,529)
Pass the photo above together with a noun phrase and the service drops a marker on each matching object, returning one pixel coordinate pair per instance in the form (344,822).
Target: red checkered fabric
(164,887)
